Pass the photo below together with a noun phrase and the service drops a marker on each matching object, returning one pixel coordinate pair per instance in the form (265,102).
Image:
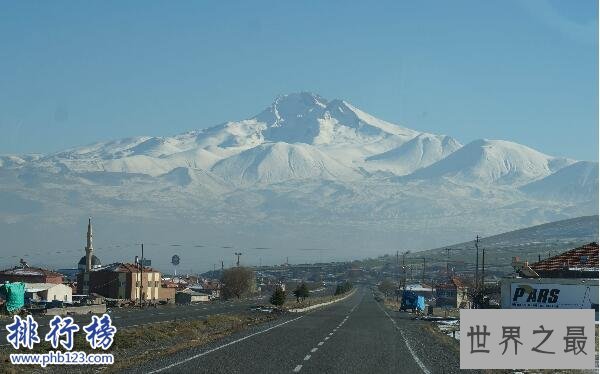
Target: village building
(452,294)
(28,274)
(421,290)
(121,281)
(48,292)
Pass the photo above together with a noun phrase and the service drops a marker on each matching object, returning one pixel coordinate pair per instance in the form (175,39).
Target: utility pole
(483,269)
(447,263)
(238,254)
(477,263)
(404,270)
(397,276)
(423,274)
(222,266)
(141,265)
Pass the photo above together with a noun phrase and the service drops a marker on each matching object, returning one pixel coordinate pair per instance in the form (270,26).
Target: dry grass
(136,345)
(441,338)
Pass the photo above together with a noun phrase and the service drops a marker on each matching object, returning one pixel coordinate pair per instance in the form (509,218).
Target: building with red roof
(580,262)
(28,274)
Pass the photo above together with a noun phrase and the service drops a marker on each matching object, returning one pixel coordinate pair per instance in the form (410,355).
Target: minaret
(89,249)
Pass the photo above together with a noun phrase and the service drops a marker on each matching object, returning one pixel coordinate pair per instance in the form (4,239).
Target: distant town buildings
(30,275)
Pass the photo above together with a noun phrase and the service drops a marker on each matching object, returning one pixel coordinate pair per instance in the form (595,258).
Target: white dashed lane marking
(307,357)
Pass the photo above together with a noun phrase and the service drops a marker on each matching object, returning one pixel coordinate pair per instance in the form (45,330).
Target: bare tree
(386,287)
(237,282)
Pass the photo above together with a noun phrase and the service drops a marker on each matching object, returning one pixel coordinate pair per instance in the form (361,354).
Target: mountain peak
(291,105)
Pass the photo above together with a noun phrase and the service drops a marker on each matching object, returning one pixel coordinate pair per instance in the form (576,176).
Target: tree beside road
(278,297)
(343,287)
(386,287)
(301,292)
(237,282)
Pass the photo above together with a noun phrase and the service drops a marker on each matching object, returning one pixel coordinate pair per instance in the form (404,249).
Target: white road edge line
(297,368)
(327,338)
(320,343)
(225,345)
(311,351)
(307,357)
(414,355)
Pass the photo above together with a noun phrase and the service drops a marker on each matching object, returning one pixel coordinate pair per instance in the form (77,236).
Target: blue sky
(72,73)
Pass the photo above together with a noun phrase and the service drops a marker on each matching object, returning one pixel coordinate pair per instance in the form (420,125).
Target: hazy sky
(72,73)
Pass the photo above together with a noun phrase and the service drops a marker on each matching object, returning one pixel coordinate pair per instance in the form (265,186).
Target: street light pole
(141,265)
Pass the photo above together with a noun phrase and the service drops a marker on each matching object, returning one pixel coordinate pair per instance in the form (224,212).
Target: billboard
(524,294)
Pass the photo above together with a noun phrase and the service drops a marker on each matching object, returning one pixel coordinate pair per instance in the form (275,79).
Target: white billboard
(529,295)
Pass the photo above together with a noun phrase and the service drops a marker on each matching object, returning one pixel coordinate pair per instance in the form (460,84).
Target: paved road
(133,317)
(352,336)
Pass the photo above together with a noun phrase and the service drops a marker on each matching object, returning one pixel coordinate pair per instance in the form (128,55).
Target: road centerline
(225,345)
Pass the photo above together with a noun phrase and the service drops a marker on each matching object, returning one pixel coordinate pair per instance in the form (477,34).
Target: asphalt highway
(355,335)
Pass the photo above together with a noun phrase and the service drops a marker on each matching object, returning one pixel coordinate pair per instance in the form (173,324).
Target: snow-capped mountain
(279,162)
(308,169)
(494,162)
(419,152)
(578,181)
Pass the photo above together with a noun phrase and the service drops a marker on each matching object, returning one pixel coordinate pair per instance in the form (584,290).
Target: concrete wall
(94,309)
(165,293)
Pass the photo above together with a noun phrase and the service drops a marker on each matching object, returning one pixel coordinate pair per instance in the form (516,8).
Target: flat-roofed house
(48,292)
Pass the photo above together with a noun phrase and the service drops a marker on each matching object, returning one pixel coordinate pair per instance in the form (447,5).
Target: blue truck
(410,300)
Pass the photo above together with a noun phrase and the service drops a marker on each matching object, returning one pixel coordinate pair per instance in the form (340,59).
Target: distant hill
(529,243)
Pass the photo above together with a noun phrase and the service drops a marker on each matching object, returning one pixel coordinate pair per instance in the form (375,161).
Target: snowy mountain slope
(304,135)
(493,162)
(576,182)
(419,152)
(196,179)
(304,170)
(278,162)
(336,128)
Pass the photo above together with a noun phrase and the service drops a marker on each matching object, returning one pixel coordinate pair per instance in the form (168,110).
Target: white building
(48,292)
